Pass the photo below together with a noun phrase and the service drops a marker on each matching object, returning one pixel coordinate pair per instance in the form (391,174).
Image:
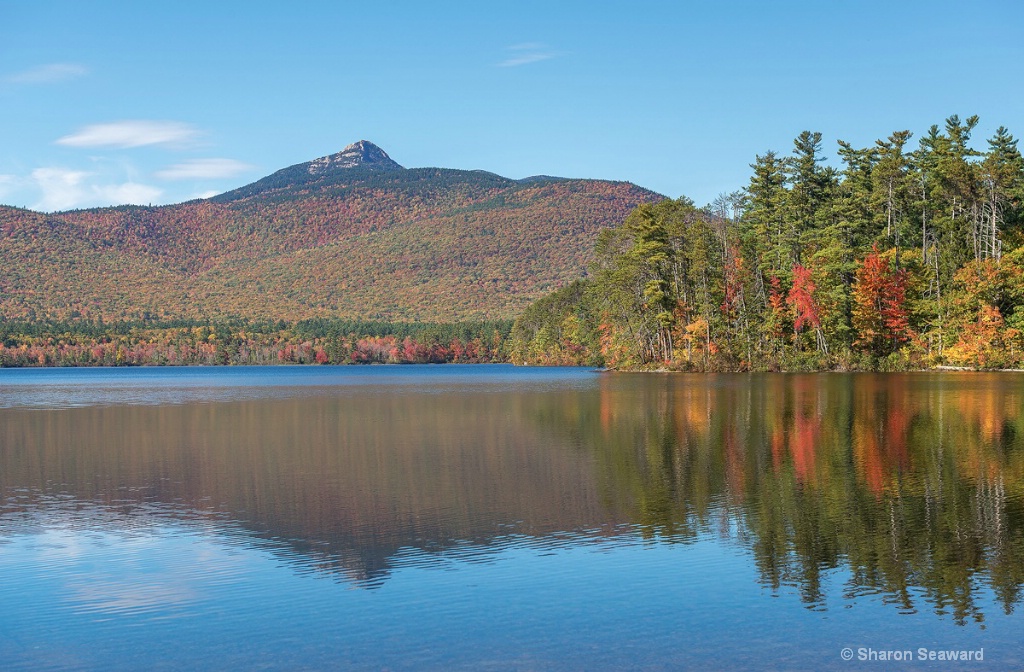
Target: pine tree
(1003,187)
(890,177)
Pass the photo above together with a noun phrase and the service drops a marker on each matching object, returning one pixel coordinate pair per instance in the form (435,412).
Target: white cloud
(129,193)
(204,169)
(206,194)
(62,189)
(131,133)
(528,52)
(51,72)
(67,189)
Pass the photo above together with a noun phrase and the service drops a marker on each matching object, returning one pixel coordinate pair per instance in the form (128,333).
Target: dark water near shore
(487,517)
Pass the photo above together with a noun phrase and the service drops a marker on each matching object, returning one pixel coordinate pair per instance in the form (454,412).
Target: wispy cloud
(131,133)
(64,189)
(204,169)
(528,52)
(51,72)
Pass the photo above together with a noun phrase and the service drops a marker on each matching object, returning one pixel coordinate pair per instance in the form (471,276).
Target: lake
(499,518)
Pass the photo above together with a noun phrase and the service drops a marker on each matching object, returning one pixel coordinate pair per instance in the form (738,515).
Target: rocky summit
(363,154)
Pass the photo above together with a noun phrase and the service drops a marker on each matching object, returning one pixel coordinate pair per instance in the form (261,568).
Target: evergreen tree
(810,265)
(1003,192)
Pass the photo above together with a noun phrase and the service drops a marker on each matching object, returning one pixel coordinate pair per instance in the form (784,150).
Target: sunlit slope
(316,239)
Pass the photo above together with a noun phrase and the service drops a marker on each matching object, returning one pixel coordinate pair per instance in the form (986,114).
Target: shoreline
(934,369)
(660,370)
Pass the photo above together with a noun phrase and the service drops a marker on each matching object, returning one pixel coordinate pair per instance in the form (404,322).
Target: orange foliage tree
(880,315)
(987,303)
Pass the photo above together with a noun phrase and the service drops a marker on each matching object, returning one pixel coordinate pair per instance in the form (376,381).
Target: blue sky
(126,102)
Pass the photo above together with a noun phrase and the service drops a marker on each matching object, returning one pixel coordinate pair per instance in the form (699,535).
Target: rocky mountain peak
(363,154)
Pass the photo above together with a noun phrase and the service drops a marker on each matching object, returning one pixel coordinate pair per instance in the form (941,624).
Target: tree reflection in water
(911,482)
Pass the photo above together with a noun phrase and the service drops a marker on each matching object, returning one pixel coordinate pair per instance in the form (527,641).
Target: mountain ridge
(352,234)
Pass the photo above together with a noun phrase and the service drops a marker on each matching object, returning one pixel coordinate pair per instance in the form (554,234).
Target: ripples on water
(487,517)
(151,386)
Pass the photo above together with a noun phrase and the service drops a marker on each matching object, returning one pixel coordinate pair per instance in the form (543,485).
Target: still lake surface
(491,517)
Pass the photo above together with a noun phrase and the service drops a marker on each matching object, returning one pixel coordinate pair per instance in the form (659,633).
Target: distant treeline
(903,258)
(239,341)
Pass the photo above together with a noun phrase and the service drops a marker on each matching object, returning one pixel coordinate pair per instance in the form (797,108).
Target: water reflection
(340,483)
(912,484)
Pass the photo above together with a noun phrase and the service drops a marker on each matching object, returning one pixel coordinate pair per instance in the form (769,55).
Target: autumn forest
(906,254)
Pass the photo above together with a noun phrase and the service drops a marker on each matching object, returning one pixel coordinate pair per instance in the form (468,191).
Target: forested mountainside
(904,257)
(352,235)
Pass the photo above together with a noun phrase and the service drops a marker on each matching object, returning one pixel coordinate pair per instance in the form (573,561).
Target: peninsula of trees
(904,257)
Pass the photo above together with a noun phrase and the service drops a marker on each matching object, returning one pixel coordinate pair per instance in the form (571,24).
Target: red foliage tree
(880,315)
(801,299)
(805,309)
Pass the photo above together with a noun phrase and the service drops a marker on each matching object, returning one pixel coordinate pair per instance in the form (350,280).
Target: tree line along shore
(249,342)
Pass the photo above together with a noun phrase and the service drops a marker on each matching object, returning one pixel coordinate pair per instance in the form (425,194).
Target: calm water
(486,517)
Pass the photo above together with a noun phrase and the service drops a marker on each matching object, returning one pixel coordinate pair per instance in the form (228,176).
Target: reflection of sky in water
(192,595)
(90,565)
(75,387)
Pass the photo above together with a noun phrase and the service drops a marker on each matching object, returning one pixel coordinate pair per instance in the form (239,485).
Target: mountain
(352,234)
(357,161)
